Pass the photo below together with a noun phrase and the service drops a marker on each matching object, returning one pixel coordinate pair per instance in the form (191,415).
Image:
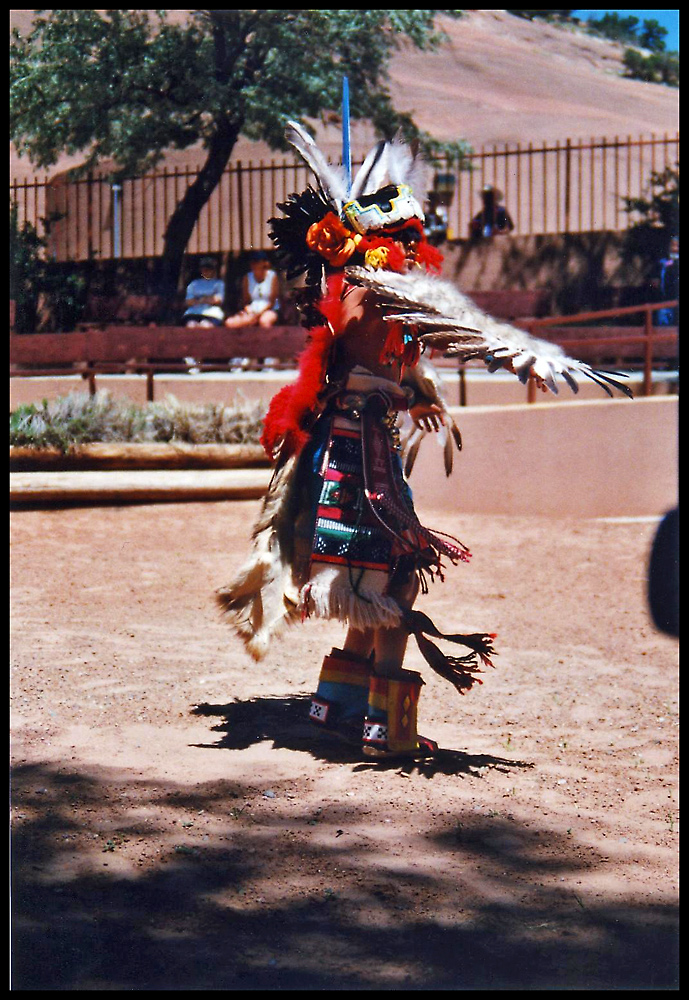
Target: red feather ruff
(429,256)
(396,259)
(284,425)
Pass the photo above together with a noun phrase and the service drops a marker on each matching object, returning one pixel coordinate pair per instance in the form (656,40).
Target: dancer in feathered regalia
(338,536)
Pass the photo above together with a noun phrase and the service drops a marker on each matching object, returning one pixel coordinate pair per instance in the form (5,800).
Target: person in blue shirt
(205,296)
(668,284)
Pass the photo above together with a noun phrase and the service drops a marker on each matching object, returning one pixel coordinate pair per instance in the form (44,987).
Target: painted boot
(341,699)
(390,724)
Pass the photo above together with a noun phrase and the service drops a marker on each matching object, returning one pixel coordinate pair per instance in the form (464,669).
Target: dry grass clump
(79,418)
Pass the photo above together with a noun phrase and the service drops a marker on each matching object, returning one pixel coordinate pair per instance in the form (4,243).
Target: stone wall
(582,271)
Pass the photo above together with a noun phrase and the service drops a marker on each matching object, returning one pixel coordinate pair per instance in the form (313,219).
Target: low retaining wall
(603,458)
(147,455)
(606,458)
(149,486)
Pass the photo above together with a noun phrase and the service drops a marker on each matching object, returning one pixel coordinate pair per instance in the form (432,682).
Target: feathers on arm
(449,321)
(425,381)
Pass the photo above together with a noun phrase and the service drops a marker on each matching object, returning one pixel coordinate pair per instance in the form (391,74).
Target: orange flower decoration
(332,240)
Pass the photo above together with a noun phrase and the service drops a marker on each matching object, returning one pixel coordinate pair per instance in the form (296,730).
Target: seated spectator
(260,304)
(667,284)
(493,219)
(205,297)
(260,295)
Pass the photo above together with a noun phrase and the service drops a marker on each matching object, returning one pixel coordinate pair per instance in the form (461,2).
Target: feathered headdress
(324,228)
(388,163)
(321,230)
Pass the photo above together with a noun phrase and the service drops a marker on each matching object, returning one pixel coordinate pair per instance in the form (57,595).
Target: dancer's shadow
(284,721)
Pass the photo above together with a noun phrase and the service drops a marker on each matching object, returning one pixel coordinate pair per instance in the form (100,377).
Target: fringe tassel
(459,670)
(368,609)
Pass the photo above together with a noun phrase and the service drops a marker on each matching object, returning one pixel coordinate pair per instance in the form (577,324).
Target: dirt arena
(178,826)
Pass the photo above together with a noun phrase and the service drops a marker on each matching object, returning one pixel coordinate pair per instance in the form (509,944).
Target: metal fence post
(648,352)
(568,182)
(116,221)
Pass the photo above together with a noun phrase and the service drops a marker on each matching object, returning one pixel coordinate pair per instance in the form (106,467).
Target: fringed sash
(384,497)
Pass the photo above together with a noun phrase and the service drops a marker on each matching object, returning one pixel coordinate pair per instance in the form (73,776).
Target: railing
(646,341)
(560,187)
(149,351)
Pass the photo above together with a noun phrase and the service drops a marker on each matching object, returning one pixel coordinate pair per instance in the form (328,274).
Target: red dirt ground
(178,826)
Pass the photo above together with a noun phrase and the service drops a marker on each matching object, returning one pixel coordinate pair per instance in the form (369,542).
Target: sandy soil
(177,825)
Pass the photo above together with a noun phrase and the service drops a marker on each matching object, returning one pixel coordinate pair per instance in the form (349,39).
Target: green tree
(652,36)
(612,25)
(657,215)
(129,85)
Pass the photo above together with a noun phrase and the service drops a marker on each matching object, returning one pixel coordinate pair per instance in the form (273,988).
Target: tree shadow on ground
(198,919)
(284,721)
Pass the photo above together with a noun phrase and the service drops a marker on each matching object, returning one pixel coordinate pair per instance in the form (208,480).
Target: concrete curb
(141,486)
(137,456)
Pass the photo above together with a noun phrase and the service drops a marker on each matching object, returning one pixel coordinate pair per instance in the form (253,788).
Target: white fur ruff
(329,594)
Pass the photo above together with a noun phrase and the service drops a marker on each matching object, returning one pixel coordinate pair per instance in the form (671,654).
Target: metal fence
(560,187)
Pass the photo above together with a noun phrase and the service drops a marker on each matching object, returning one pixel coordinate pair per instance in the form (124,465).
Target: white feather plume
(331,178)
(405,167)
(372,173)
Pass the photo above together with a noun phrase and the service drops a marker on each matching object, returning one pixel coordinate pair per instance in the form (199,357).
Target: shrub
(26,271)
(79,418)
(658,67)
(649,237)
(616,28)
(548,15)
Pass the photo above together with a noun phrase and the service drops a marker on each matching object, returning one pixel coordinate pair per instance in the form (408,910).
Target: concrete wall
(584,458)
(594,458)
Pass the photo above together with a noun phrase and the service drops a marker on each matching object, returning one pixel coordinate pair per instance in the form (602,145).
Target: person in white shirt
(260,295)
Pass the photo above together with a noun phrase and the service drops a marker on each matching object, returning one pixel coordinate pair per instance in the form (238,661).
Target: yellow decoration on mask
(377,257)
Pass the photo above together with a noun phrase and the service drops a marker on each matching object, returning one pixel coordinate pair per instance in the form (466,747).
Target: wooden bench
(149,350)
(514,304)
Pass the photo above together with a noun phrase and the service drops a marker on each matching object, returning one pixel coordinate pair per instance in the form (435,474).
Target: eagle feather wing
(448,320)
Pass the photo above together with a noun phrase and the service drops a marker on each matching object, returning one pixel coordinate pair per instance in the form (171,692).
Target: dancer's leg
(390,724)
(390,644)
(359,641)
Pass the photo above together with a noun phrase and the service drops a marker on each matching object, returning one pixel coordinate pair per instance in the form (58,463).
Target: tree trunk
(185,216)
